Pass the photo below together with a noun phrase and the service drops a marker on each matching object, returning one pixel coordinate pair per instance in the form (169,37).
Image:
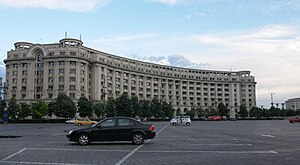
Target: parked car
(114,129)
(294,119)
(81,122)
(71,121)
(214,118)
(178,120)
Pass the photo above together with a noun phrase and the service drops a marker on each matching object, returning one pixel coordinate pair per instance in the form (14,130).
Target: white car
(178,120)
(72,121)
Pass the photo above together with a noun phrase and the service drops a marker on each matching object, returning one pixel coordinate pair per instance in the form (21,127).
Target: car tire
(174,124)
(188,124)
(83,139)
(93,124)
(79,124)
(138,138)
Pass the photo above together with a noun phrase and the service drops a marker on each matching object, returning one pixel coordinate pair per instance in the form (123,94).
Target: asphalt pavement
(204,142)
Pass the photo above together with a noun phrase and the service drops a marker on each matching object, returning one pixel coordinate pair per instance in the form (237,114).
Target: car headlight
(70,132)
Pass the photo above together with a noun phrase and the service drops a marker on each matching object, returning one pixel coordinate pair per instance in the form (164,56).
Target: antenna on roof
(80,37)
(66,33)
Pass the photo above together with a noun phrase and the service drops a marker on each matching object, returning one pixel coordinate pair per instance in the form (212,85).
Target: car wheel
(188,124)
(138,138)
(173,124)
(79,124)
(93,124)
(83,139)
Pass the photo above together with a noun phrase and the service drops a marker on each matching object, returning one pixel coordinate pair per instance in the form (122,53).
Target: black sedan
(114,129)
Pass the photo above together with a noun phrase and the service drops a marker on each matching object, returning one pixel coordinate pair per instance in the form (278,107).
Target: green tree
(51,108)
(212,111)
(13,108)
(290,113)
(297,112)
(167,110)
(146,108)
(25,110)
(2,106)
(84,107)
(201,113)
(243,111)
(135,106)
(64,106)
(265,113)
(99,109)
(111,107)
(123,106)
(223,110)
(256,112)
(192,113)
(39,109)
(156,108)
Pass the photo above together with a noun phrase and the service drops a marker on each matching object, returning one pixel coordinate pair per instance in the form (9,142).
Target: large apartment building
(41,71)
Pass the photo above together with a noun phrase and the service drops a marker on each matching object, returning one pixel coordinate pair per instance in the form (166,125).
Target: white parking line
(65,149)
(198,139)
(271,136)
(222,144)
(216,152)
(12,155)
(136,149)
(5,160)
(58,134)
(39,163)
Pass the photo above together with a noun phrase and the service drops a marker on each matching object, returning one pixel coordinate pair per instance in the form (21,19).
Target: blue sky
(262,36)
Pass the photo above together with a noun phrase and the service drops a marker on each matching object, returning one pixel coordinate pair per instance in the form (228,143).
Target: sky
(262,36)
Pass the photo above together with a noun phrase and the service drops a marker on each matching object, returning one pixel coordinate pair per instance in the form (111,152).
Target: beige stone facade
(293,104)
(41,71)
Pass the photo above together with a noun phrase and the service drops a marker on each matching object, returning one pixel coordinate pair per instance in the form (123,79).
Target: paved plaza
(204,142)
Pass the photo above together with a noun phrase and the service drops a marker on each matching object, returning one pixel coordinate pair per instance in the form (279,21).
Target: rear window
(137,122)
(125,122)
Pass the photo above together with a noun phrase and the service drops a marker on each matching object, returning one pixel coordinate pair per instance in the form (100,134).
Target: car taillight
(151,128)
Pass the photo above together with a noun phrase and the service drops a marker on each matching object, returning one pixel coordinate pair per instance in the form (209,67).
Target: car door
(178,121)
(124,129)
(104,131)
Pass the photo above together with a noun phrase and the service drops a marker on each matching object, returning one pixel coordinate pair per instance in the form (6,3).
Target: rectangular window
(24,80)
(61,79)
(50,80)
(51,71)
(72,79)
(51,54)
(73,63)
(61,71)
(72,71)
(72,87)
(61,63)
(61,87)
(51,63)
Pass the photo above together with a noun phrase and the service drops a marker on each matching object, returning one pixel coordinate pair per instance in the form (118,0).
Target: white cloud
(271,53)
(70,5)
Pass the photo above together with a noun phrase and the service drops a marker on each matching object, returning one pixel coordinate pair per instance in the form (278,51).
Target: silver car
(178,120)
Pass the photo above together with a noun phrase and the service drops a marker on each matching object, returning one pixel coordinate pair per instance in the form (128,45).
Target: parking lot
(204,142)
